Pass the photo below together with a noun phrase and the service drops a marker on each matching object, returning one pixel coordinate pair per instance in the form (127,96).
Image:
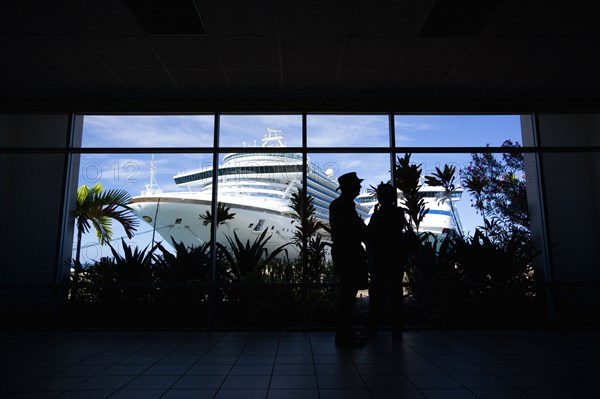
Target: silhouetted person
(386,260)
(349,257)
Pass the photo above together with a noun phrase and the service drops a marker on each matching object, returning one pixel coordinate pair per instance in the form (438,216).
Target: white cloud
(148,131)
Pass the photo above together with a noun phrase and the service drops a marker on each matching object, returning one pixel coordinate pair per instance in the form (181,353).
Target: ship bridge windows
(243,172)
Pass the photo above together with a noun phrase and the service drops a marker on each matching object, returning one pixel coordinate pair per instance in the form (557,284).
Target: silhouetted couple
(352,263)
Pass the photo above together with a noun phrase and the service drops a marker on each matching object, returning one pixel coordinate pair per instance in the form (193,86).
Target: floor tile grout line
(312,355)
(232,366)
(190,367)
(92,376)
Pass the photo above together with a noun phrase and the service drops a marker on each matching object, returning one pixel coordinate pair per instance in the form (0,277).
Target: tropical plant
(445,179)
(307,237)
(97,208)
(408,180)
(246,259)
(134,265)
(223,215)
(499,187)
(187,264)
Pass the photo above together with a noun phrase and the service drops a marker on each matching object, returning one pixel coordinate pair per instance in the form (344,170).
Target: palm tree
(408,178)
(98,208)
(445,179)
(223,215)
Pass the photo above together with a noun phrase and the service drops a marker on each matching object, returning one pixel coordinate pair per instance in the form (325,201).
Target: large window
(231,218)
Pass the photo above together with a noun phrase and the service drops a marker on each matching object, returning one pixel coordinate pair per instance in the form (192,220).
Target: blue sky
(132,171)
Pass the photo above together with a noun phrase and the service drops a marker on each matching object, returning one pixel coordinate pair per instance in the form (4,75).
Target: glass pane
(161,199)
(250,130)
(465,266)
(463,214)
(138,264)
(257,224)
(348,131)
(456,130)
(148,131)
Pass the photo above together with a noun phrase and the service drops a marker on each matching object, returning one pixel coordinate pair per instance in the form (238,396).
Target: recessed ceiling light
(167,17)
(458,18)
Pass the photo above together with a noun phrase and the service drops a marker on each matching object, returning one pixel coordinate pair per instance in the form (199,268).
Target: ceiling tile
(563,53)
(185,52)
(61,82)
(301,18)
(364,79)
(151,81)
(30,17)
(123,52)
(311,53)
(373,53)
(248,53)
(93,17)
(497,53)
(47,52)
(434,53)
(543,19)
(388,18)
(418,79)
(255,80)
(309,80)
(199,79)
(238,17)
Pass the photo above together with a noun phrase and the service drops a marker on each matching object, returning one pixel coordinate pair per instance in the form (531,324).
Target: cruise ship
(256,186)
(442,217)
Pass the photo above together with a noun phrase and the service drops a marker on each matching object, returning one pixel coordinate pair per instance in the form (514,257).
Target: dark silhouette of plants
(186,265)
(476,185)
(445,179)
(223,215)
(96,208)
(248,259)
(308,232)
(408,180)
(135,265)
(499,189)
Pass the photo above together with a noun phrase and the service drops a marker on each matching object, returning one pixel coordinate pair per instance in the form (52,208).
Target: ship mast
(273,136)
(153,187)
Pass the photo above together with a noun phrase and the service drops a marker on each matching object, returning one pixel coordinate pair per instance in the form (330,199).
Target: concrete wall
(32,172)
(572,192)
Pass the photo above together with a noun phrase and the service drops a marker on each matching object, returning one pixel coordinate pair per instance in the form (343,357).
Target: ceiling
(274,54)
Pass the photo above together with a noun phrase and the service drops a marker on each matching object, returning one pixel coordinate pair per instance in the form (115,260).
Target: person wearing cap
(348,231)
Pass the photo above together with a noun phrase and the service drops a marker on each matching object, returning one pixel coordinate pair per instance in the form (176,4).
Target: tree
(408,180)
(445,179)
(97,208)
(223,215)
(499,189)
(308,233)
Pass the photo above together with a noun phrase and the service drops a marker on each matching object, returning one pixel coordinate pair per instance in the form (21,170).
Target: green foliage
(308,232)
(445,179)
(186,265)
(223,215)
(97,208)
(408,180)
(247,259)
(134,265)
(498,186)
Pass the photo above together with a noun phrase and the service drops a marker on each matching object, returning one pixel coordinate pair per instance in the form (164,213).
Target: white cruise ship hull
(176,216)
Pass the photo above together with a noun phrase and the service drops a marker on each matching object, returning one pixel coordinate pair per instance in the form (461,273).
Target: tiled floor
(233,364)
